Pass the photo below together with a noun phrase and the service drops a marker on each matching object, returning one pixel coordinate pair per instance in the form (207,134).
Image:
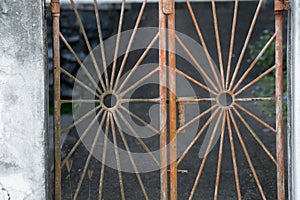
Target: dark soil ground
(265,168)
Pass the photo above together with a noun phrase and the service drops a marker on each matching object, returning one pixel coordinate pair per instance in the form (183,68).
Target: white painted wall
(22,100)
(295,100)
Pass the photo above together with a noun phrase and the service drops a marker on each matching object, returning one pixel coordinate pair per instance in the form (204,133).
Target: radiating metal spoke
(255,117)
(75,101)
(206,155)
(233,29)
(254,99)
(203,42)
(255,80)
(88,44)
(130,43)
(261,53)
(213,5)
(101,43)
(202,114)
(247,156)
(117,157)
(236,173)
(91,151)
(196,82)
(83,85)
(81,138)
(203,73)
(220,156)
(137,83)
(130,157)
(144,146)
(255,136)
(197,136)
(151,128)
(155,100)
(138,63)
(192,100)
(66,130)
(103,159)
(62,38)
(246,44)
(117,45)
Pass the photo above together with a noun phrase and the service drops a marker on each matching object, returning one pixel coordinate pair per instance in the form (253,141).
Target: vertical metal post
(163,104)
(55,9)
(279,8)
(170,10)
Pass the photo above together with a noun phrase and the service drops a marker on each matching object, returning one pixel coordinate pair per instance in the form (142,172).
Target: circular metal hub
(225,99)
(109,101)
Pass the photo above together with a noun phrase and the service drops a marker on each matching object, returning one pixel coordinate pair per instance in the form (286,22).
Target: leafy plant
(266,86)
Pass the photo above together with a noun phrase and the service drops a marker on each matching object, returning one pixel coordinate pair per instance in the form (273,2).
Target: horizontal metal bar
(139,1)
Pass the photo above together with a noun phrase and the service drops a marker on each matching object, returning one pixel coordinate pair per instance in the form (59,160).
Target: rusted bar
(233,156)
(135,29)
(117,45)
(238,65)
(247,155)
(279,6)
(55,10)
(214,10)
(254,62)
(130,156)
(163,103)
(233,29)
(172,102)
(203,43)
(220,156)
(222,112)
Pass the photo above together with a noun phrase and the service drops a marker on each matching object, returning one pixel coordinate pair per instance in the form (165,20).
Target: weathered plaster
(22,99)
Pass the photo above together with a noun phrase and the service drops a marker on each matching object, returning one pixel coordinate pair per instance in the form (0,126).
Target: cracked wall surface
(22,100)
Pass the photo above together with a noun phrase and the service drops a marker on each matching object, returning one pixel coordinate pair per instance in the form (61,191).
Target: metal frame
(228,115)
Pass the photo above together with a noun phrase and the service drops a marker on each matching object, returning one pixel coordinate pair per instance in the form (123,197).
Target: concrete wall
(23,105)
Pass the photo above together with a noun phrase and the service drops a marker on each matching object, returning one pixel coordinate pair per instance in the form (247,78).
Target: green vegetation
(266,87)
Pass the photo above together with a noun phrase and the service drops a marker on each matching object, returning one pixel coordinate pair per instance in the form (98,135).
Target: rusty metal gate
(222,87)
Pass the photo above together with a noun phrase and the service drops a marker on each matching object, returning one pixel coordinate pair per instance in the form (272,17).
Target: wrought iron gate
(221,89)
